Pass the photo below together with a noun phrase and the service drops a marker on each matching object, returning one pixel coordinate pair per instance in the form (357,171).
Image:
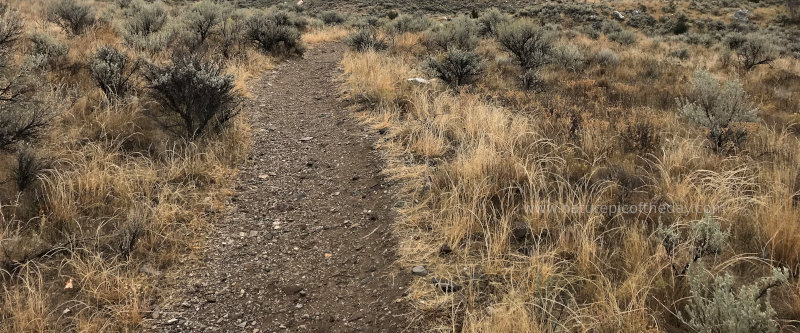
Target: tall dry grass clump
(594,202)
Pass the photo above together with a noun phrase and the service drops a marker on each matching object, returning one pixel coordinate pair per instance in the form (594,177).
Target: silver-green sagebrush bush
(456,67)
(112,70)
(366,39)
(10,28)
(490,21)
(530,44)
(568,56)
(274,35)
(716,306)
(719,107)
(752,49)
(47,52)
(204,18)
(147,26)
(408,23)
(460,33)
(72,16)
(194,96)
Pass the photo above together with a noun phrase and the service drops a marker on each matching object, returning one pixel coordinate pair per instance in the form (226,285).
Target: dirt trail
(306,245)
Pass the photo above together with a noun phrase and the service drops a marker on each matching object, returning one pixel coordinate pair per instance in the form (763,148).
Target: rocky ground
(307,244)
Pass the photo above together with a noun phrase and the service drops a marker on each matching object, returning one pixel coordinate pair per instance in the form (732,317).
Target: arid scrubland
(120,136)
(575,169)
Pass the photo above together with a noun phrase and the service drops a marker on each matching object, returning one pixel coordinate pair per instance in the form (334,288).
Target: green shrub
(568,56)
(456,67)
(681,54)
(47,52)
(273,35)
(366,39)
(28,168)
(145,19)
(624,37)
(111,71)
(752,49)
(490,21)
(531,80)
(794,10)
(530,45)
(707,237)
(194,96)
(606,58)
(71,16)
(460,33)
(408,23)
(716,305)
(22,117)
(331,17)
(233,33)
(203,18)
(718,107)
(10,28)
(681,25)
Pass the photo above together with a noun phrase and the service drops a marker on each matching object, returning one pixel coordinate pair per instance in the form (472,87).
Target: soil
(307,242)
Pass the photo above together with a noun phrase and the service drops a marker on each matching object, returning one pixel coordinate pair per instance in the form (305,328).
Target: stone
(419,271)
(618,16)
(445,250)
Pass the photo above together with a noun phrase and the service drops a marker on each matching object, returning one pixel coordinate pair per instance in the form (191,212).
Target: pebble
(419,271)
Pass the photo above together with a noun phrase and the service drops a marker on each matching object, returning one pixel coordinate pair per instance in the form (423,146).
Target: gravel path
(307,244)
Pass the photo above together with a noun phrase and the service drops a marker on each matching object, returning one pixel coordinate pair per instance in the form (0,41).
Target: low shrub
(111,71)
(717,306)
(408,23)
(568,56)
(194,96)
(752,49)
(490,21)
(10,28)
(460,33)
(71,16)
(606,57)
(641,137)
(530,45)
(233,33)
(624,37)
(456,67)
(366,39)
(274,36)
(718,107)
(22,117)
(145,19)
(203,18)
(47,52)
(331,17)
(531,80)
(681,53)
(28,168)
(681,25)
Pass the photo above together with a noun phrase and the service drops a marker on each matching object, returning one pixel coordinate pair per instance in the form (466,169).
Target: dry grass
(98,237)
(476,163)
(326,34)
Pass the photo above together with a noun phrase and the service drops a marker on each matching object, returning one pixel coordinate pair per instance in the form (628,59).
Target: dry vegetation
(120,135)
(537,115)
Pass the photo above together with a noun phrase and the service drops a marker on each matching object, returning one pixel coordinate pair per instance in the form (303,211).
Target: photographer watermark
(642,208)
